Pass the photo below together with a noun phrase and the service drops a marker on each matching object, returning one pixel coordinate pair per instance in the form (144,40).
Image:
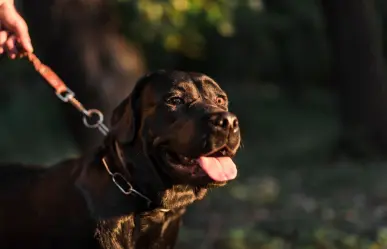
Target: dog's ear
(123,121)
(126,117)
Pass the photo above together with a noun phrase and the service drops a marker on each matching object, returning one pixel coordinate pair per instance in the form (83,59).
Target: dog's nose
(226,121)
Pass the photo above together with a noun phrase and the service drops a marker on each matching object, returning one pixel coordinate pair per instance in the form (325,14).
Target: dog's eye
(220,100)
(175,101)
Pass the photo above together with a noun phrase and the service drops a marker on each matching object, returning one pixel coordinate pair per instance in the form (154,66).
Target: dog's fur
(75,204)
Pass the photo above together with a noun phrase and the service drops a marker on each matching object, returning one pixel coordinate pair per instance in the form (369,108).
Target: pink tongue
(218,168)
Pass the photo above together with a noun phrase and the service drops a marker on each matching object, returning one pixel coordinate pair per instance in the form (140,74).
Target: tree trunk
(358,73)
(81,42)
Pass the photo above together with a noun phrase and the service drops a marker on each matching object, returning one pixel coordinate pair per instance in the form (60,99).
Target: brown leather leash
(66,94)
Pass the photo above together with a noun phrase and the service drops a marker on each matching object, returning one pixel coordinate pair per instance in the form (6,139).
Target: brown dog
(171,140)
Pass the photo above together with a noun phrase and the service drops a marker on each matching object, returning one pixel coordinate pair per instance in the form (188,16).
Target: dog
(171,140)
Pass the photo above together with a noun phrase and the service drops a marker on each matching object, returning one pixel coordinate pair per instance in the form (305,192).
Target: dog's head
(182,123)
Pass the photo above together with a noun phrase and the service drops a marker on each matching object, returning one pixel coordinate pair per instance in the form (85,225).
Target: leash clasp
(66,95)
(98,123)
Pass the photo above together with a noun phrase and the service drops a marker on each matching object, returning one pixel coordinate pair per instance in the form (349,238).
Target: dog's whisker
(242,145)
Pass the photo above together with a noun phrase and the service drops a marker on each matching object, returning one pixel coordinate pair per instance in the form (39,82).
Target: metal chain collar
(123,184)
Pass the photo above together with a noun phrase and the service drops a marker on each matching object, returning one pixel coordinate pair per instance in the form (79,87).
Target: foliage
(209,35)
(279,44)
(178,23)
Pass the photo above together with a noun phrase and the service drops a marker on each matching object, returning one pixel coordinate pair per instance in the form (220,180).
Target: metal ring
(65,95)
(90,113)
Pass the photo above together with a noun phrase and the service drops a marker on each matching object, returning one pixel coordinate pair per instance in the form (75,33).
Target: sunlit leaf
(188,18)
(180,5)
(226,29)
(172,42)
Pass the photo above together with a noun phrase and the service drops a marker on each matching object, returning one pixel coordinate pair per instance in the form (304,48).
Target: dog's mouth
(218,164)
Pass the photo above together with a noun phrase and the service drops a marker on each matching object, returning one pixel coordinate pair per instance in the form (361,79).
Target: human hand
(13,30)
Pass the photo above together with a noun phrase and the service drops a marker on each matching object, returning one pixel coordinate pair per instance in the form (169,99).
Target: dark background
(306,78)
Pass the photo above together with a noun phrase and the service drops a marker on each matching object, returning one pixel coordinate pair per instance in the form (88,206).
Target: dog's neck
(105,199)
(157,186)
(135,166)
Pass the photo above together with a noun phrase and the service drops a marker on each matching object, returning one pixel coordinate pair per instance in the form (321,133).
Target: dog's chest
(153,230)
(158,229)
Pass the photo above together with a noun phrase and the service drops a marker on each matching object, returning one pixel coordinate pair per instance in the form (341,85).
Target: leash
(65,94)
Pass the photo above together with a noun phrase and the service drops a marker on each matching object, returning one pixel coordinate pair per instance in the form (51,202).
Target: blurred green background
(306,78)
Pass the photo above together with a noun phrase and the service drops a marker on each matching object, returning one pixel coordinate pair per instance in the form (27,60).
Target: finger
(22,32)
(3,37)
(10,46)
